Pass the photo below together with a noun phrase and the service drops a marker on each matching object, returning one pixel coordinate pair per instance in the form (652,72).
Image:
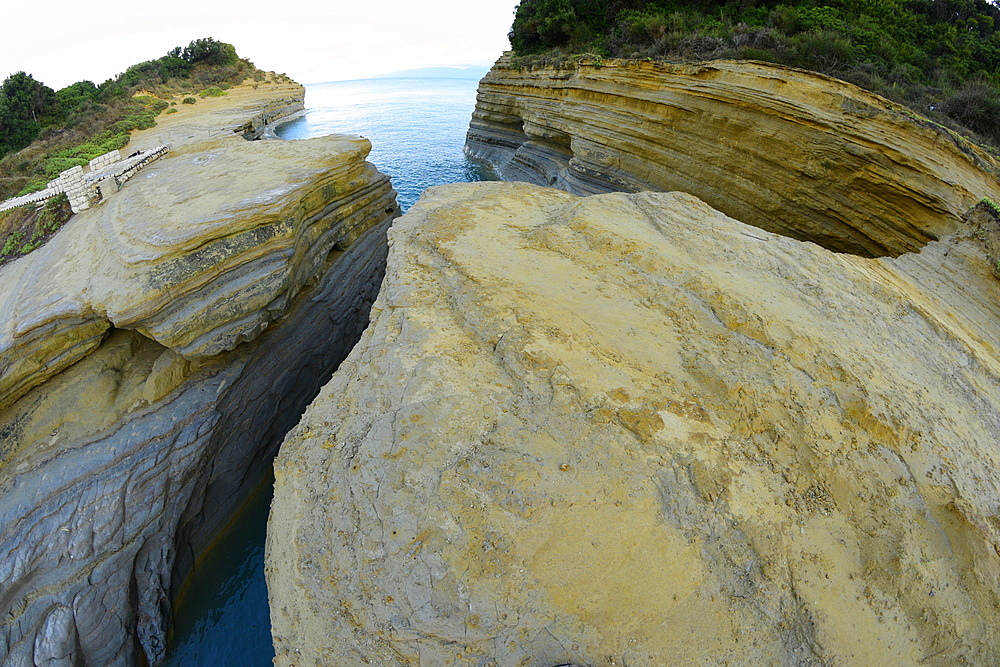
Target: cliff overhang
(786,150)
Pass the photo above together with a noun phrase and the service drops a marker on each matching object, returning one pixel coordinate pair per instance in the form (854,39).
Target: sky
(312,42)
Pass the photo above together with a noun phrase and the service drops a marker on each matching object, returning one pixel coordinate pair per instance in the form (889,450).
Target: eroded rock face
(627,429)
(154,353)
(786,150)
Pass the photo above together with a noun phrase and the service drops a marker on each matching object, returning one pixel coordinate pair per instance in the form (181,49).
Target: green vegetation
(993,206)
(212,91)
(26,228)
(939,56)
(11,244)
(43,132)
(26,106)
(189,100)
(989,233)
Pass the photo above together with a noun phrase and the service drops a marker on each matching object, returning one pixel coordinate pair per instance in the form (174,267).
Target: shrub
(135,121)
(171,111)
(976,105)
(56,165)
(42,222)
(36,184)
(29,246)
(212,91)
(54,213)
(189,100)
(209,51)
(152,105)
(11,244)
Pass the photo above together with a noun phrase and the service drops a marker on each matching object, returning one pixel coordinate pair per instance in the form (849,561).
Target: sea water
(417,129)
(416,126)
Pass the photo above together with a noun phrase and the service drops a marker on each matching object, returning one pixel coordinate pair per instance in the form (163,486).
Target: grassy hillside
(43,131)
(941,57)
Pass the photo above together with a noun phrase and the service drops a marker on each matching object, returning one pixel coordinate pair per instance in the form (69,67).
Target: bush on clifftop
(44,131)
(940,56)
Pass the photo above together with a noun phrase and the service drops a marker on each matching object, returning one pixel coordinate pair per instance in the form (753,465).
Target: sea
(417,128)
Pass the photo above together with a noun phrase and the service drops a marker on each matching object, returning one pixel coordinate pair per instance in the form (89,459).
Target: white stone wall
(33,198)
(102,161)
(82,189)
(71,182)
(130,166)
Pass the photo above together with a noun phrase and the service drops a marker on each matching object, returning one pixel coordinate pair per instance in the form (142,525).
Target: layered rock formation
(782,149)
(630,430)
(153,354)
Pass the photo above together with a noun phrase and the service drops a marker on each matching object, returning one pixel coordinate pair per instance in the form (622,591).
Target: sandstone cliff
(153,354)
(782,149)
(630,430)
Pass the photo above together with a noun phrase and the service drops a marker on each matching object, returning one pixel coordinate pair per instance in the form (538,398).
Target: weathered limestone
(153,354)
(176,242)
(627,429)
(786,150)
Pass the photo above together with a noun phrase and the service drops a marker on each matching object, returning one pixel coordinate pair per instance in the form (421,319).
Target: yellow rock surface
(201,250)
(783,149)
(627,429)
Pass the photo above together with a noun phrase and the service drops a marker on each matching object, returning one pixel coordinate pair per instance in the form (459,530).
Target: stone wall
(102,161)
(82,189)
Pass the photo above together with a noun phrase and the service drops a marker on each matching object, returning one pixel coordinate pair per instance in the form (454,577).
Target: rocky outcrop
(786,150)
(153,354)
(628,429)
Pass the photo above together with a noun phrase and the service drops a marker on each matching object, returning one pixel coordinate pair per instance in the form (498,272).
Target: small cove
(417,129)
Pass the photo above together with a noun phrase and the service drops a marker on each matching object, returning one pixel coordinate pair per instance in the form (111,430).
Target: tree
(209,51)
(26,106)
(76,95)
(541,24)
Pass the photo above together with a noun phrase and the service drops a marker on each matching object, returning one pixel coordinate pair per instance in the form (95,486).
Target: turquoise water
(416,126)
(417,129)
(223,618)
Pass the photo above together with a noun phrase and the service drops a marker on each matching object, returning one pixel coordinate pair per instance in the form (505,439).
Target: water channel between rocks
(417,129)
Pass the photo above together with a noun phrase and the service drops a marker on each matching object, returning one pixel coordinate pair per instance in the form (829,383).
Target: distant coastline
(468,72)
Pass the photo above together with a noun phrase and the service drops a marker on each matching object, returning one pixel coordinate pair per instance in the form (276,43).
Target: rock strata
(628,429)
(153,354)
(790,151)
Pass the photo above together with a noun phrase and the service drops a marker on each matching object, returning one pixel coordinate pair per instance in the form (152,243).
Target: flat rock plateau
(631,428)
(154,353)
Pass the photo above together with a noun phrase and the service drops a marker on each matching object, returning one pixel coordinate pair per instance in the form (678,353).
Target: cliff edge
(783,149)
(154,353)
